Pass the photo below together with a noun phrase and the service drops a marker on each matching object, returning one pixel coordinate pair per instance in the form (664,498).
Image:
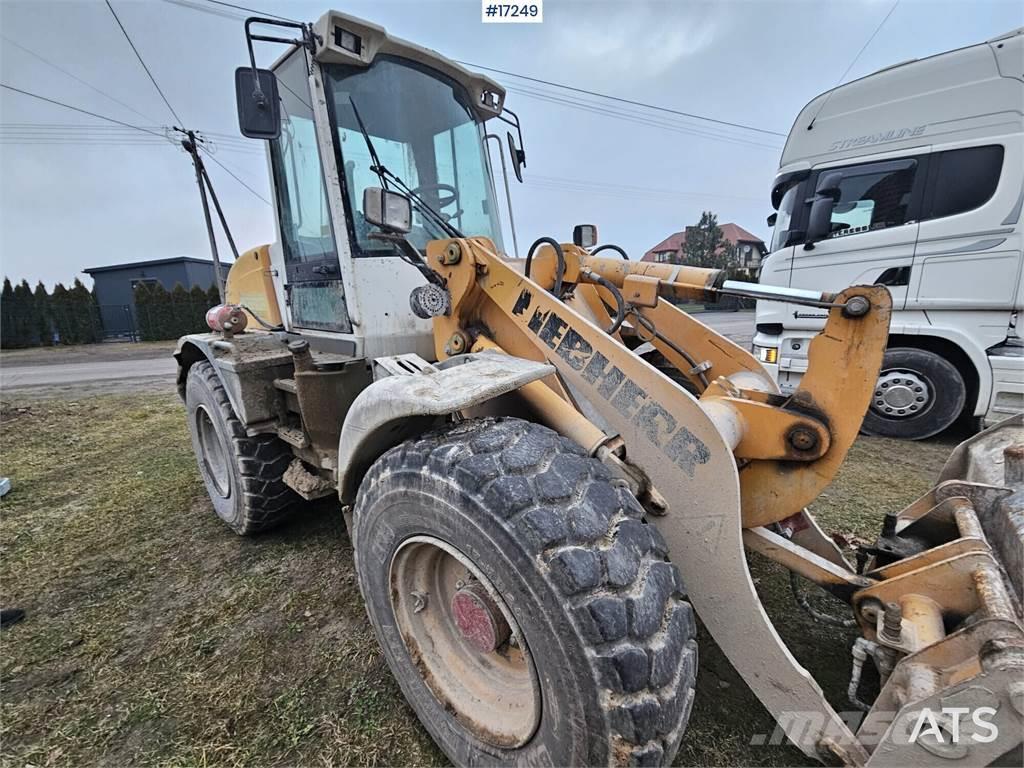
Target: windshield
(787,205)
(424,132)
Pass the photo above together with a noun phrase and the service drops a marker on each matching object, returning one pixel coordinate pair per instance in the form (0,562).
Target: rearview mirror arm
(308,41)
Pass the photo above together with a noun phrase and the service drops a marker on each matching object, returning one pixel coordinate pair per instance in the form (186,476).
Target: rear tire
(525,515)
(242,474)
(918,395)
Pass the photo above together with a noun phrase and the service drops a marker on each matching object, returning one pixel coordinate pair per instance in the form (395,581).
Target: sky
(74,197)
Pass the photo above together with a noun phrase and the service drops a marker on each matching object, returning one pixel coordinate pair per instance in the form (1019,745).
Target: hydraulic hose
(610,247)
(559,271)
(620,303)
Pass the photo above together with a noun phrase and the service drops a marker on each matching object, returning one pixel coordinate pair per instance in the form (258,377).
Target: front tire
(918,395)
(242,474)
(572,644)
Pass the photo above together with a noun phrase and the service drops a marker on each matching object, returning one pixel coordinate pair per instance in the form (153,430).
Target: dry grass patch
(156,636)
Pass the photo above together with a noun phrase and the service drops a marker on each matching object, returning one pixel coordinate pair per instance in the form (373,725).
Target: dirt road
(148,367)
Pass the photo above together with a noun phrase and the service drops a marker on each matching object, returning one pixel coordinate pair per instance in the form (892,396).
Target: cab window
(306,235)
(961,180)
(873,196)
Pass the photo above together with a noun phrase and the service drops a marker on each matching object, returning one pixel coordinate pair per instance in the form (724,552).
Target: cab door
(314,291)
(874,232)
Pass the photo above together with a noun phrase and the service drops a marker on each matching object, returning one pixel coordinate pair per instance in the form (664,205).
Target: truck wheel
(528,612)
(242,474)
(918,395)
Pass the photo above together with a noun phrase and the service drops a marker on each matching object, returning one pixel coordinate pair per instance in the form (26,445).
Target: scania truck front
(912,177)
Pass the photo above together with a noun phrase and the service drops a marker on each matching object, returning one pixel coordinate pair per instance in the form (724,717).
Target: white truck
(912,177)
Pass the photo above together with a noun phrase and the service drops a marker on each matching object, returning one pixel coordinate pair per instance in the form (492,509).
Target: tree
(25,323)
(705,245)
(85,314)
(43,314)
(63,319)
(8,334)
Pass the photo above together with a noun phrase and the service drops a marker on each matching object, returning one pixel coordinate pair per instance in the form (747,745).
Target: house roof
(733,233)
(152,263)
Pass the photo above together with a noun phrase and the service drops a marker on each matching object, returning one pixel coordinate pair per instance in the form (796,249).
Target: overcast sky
(106,199)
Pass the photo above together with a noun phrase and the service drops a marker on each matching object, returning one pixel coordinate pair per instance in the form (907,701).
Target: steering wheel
(443,200)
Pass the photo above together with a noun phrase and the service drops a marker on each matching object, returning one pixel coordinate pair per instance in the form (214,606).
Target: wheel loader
(546,467)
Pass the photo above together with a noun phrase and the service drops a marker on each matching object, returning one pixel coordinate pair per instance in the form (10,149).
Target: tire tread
(586,532)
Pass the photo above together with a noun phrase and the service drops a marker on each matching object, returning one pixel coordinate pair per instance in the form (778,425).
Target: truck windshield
(424,131)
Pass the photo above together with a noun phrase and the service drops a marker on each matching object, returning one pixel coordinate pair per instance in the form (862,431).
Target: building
(749,248)
(115,286)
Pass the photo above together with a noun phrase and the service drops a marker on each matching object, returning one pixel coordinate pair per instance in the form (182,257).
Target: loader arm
(734,454)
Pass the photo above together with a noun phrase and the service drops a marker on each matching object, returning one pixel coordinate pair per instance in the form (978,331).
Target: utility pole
(203,181)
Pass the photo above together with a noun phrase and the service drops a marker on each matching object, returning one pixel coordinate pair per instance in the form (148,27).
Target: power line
(668,110)
(143,63)
(78,109)
(628,189)
(251,10)
(867,43)
(638,118)
(16,44)
(232,175)
(195,6)
(624,101)
(842,77)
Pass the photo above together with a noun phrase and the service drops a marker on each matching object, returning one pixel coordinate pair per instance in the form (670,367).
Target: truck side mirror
(259,108)
(826,195)
(391,211)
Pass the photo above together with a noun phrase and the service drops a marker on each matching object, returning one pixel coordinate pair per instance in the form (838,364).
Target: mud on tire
(602,611)
(242,474)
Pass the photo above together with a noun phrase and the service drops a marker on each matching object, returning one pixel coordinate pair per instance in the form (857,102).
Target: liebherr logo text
(624,395)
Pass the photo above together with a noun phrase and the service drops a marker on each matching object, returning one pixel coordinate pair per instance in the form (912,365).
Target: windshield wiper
(383,174)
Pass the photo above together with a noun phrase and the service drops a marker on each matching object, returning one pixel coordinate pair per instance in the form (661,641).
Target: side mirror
(772,218)
(259,108)
(584,235)
(518,157)
(391,211)
(826,195)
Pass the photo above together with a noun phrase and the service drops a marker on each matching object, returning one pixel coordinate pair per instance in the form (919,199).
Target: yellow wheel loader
(543,463)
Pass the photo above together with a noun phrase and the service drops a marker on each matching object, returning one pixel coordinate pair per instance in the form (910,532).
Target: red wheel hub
(479,620)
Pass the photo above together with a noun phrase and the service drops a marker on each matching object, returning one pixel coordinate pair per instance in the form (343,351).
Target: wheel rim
(214,458)
(900,394)
(464,641)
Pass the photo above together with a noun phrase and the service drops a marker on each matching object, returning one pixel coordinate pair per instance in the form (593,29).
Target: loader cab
(364,95)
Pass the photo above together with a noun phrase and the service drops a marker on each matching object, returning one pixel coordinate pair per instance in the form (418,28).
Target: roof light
(348,41)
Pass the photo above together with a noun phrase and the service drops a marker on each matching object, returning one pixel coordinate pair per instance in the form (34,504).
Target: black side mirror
(772,218)
(259,108)
(826,195)
(518,157)
(391,211)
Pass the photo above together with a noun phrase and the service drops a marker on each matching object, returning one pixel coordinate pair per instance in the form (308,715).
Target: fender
(395,408)
(247,365)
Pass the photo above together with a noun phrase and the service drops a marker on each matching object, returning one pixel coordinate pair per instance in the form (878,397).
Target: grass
(155,636)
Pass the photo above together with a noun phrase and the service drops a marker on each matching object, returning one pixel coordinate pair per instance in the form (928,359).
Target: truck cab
(913,178)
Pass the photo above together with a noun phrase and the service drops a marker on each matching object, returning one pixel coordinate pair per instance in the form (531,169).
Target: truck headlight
(767,354)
